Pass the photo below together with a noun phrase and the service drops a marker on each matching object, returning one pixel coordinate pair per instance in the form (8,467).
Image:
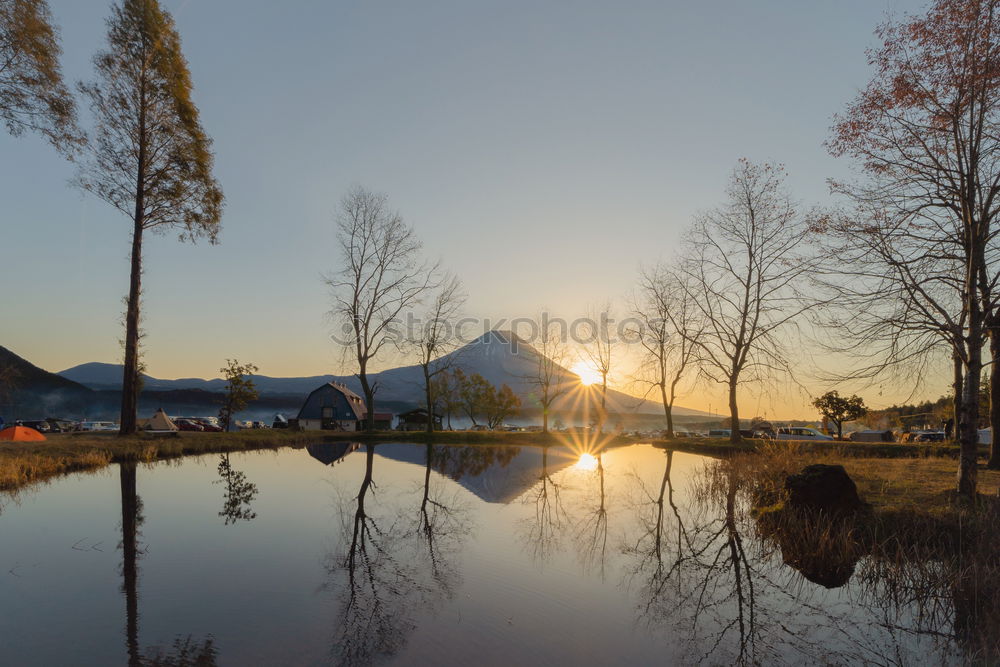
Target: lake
(394,553)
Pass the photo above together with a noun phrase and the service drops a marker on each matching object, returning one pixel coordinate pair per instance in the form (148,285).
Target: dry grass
(22,470)
(25,463)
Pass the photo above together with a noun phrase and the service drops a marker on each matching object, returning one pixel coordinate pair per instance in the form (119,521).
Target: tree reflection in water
(238,495)
(184,652)
(591,529)
(706,575)
(394,568)
(701,583)
(543,530)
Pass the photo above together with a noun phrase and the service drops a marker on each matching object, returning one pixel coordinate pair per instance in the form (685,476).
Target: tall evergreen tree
(32,93)
(149,156)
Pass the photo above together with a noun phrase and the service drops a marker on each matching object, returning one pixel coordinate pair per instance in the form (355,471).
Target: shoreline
(26,463)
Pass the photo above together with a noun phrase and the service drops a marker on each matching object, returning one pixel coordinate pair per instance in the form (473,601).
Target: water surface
(410,554)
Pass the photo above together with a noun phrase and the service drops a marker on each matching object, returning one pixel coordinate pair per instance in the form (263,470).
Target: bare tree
(925,132)
(149,156)
(437,339)
(741,270)
(668,331)
(32,93)
(599,350)
(382,277)
(549,377)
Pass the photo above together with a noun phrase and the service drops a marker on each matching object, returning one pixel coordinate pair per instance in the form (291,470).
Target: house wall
(338,425)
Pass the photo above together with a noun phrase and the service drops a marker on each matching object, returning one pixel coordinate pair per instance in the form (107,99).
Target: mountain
(500,357)
(26,386)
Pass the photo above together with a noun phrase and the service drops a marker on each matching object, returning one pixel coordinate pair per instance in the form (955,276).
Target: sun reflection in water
(587,461)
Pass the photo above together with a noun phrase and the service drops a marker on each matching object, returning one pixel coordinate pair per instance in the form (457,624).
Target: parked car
(720,433)
(258,424)
(97,426)
(60,425)
(927,436)
(801,433)
(188,425)
(209,424)
(39,425)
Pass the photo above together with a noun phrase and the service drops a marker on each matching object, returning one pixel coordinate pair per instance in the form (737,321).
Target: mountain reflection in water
(356,554)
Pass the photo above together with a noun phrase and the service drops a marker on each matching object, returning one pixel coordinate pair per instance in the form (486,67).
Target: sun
(586,462)
(588,374)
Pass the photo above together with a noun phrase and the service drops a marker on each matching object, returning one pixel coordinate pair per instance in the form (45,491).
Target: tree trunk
(994,462)
(130,379)
(369,393)
(130,376)
(968,427)
(429,397)
(957,388)
(668,410)
(545,418)
(734,415)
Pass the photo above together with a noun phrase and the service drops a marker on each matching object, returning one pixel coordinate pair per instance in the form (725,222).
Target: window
(327,413)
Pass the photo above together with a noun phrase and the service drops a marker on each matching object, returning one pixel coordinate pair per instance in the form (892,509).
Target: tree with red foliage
(924,131)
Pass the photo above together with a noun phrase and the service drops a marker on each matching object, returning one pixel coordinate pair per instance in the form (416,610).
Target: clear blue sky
(542,150)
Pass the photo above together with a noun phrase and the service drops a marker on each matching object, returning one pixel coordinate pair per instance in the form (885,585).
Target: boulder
(827,488)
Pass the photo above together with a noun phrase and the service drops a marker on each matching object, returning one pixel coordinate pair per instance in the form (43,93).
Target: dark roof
(353,400)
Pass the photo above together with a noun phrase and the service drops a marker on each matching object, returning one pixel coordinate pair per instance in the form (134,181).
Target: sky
(542,151)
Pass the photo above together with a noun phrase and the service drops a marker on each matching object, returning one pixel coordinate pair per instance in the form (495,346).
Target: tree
(475,394)
(668,334)
(924,132)
(32,93)
(741,270)
(839,409)
(500,404)
(437,338)
(599,349)
(240,390)
(549,377)
(446,395)
(382,277)
(149,156)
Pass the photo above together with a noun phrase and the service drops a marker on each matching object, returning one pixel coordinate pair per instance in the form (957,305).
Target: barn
(334,407)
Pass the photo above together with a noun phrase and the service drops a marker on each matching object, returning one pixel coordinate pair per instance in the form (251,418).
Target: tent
(21,433)
(159,422)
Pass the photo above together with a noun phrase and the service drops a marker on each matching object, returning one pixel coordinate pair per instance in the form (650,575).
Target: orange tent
(21,433)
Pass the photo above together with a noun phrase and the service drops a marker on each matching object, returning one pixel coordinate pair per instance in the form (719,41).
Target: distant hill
(500,357)
(34,391)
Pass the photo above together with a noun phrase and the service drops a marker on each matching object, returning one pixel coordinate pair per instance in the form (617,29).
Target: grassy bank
(884,450)
(23,463)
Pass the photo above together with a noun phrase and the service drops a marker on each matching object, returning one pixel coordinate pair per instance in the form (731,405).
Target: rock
(827,488)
